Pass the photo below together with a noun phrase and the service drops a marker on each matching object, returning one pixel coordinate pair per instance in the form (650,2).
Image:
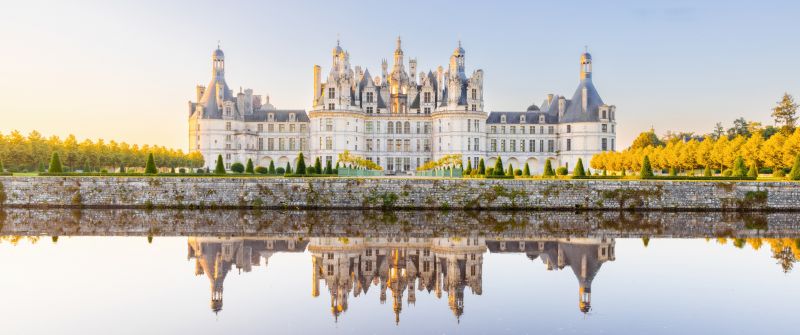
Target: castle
(399,119)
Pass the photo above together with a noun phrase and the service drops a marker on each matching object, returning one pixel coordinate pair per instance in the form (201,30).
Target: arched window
(399,127)
(390,127)
(407,127)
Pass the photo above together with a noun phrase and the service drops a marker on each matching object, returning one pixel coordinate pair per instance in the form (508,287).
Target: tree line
(20,153)
(773,147)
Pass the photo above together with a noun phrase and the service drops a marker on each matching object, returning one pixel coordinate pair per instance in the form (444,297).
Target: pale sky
(124,70)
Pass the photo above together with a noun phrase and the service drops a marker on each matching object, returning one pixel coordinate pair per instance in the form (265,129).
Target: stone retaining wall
(394,193)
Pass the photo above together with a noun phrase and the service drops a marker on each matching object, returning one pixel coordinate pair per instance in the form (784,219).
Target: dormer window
(370,97)
(291,117)
(270,117)
(522,119)
(541,118)
(502,119)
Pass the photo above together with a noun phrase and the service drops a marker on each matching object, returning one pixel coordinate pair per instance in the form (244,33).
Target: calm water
(137,272)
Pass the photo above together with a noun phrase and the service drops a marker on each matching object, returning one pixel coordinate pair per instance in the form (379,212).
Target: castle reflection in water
(401,265)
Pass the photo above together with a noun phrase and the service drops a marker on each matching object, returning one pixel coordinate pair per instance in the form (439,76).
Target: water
(134,272)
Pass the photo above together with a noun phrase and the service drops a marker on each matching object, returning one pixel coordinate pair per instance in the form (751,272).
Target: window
(228,137)
(369,144)
(260,143)
(427,110)
(302,127)
(390,127)
(532,145)
(292,128)
(522,119)
(474,107)
(399,145)
(551,130)
(512,145)
(407,146)
(477,126)
(260,127)
(270,128)
(522,145)
(281,144)
(569,144)
(605,113)
(502,119)
(427,145)
(541,145)
(513,129)
(427,127)
(331,106)
(390,164)
(569,128)
(331,93)
(270,144)
(469,126)
(493,130)
(418,128)
(227,126)
(476,146)
(605,128)
(474,94)
(292,117)
(369,126)
(502,129)
(612,144)
(503,145)
(612,129)
(551,146)
(369,110)
(494,145)
(390,145)
(407,127)
(604,145)
(328,143)
(533,130)
(270,117)
(292,146)
(426,97)
(370,97)
(328,124)
(281,128)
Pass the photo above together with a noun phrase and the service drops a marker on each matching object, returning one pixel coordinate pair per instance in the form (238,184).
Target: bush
(578,170)
(55,164)
(707,172)
(103,171)
(562,171)
(150,167)
(311,170)
(795,173)
(779,172)
(182,171)
(328,167)
(727,173)
(518,172)
(237,167)
(200,171)
(249,168)
(468,170)
(753,172)
(490,172)
(647,170)
(481,167)
(498,167)
(280,170)
(526,171)
(548,169)
(739,169)
(301,164)
(317,166)
(220,168)
(271,169)
(510,170)
(288,169)
(261,170)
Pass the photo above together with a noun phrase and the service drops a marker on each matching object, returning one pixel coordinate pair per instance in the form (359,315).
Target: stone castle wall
(400,193)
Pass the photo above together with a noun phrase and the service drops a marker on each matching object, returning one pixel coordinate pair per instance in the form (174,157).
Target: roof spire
(217,44)
(338,37)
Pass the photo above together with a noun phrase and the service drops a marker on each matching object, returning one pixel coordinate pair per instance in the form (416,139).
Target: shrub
(562,171)
(121,168)
(481,167)
(727,173)
(220,168)
(249,169)
(468,170)
(605,173)
(237,167)
(779,172)
(318,166)
(182,171)
(311,170)
(271,169)
(55,164)
(518,172)
(548,169)
(281,170)
(301,164)
(753,172)
(2,169)
(328,168)
(795,173)
(103,171)
(490,171)
(578,170)
(288,169)
(498,167)
(336,169)
(673,172)
(526,171)
(200,171)
(739,169)
(262,170)
(707,172)
(647,170)
(510,170)
(150,167)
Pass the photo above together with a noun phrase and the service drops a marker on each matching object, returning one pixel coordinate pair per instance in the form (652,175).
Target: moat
(441,272)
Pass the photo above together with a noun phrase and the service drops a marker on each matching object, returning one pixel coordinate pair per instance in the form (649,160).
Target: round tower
(586,65)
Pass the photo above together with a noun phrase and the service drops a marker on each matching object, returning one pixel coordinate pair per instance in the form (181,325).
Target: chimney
(317,91)
(562,107)
(584,98)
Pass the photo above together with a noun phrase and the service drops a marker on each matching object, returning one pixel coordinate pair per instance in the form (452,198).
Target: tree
(795,173)
(249,169)
(469,167)
(548,169)
(271,169)
(237,167)
(301,164)
(498,167)
(647,170)
(718,131)
(784,112)
(288,168)
(510,170)
(646,139)
(578,171)
(328,167)
(220,168)
(318,166)
(2,169)
(526,171)
(150,167)
(55,164)
(481,167)
(753,172)
(707,172)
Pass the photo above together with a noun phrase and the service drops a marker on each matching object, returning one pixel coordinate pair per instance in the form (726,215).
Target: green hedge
(499,177)
(297,175)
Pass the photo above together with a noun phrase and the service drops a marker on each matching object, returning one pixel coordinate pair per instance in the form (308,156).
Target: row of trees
(19,152)
(777,152)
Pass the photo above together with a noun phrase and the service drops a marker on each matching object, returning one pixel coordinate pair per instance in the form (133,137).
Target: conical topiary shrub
(150,166)
(498,167)
(301,164)
(55,164)
(795,173)
(249,167)
(481,167)
(707,172)
(510,170)
(317,166)
(647,170)
(753,172)
(578,171)
(739,168)
(548,169)
(220,167)
(288,168)
(271,169)
(526,171)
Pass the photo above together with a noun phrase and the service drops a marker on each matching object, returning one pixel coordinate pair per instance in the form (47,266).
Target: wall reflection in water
(399,267)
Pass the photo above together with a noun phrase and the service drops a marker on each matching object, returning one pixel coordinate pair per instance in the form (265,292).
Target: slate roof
(575,112)
(514,117)
(281,115)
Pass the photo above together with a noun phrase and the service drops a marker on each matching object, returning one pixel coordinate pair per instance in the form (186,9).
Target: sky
(124,70)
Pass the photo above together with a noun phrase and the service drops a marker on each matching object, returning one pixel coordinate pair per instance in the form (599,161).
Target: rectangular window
(532,145)
(551,130)
(494,145)
(281,144)
(328,143)
(227,126)
(551,146)
(292,128)
(281,128)
(407,146)
(469,126)
(369,126)
(369,144)
(369,110)
(604,145)
(370,97)
(270,144)
(328,124)
(612,144)
(292,146)
(605,128)
(522,145)
(427,145)
(260,143)
(533,130)
(502,129)
(331,93)
(426,98)
(302,127)
(476,145)
(390,145)
(331,106)
(513,129)
(477,126)
(474,107)
(427,110)
(270,128)
(418,128)
(569,144)
(513,145)
(474,94)
(260,127)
